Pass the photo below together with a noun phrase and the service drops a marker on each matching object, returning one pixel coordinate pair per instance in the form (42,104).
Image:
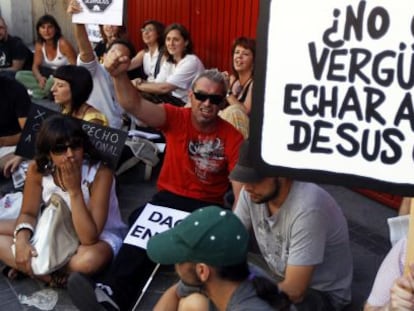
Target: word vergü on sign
(337,92)
(153,219)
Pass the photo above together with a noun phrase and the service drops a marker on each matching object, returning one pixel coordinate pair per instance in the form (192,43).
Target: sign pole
(144,289)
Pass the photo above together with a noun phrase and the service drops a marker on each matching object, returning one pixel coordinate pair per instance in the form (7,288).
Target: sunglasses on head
(59,149)
(147,29)
(215,99)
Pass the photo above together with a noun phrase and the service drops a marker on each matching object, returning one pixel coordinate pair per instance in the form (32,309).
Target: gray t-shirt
(309,229)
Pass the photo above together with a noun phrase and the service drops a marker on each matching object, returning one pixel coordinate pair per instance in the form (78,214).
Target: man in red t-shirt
(201,151)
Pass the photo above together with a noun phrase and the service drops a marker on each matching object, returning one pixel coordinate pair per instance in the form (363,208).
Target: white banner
(154,219)
(338,88)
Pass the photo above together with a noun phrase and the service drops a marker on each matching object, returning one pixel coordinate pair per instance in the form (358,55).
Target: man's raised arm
(86,53)
(117,62)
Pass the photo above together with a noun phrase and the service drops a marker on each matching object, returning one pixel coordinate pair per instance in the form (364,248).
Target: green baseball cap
(210,235)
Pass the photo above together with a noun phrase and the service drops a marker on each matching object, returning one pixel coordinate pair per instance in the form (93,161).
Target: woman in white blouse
(177,72)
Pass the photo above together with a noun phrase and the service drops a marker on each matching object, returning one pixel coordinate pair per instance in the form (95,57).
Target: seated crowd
(287,234)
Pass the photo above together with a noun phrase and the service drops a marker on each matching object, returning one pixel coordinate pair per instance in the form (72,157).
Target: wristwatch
(229,93)
(22,226)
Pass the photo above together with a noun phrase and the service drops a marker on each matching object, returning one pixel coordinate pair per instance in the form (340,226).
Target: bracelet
(22,226)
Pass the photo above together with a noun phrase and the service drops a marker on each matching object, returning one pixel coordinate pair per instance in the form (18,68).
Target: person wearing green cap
(209,250)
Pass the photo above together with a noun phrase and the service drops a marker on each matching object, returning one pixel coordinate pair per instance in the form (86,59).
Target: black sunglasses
(215,99)
(60,149)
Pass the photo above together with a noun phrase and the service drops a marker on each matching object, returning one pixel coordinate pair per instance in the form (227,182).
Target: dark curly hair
(60,129)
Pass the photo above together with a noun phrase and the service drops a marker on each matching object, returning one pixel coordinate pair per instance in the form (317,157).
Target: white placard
(338,88)
(154,219)
(102,12)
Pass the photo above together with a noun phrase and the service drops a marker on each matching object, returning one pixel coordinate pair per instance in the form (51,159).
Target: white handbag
(55,238)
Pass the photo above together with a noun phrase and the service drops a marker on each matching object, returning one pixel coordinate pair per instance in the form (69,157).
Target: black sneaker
(88,296)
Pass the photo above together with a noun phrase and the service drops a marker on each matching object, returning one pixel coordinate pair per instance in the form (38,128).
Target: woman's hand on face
(71,175)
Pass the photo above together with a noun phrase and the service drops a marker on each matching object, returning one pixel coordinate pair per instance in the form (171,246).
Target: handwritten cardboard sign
(334,103)
(103,12)
(154,219)
(108,141)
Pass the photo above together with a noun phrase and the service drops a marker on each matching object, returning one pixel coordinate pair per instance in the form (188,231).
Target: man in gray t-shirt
(302,236)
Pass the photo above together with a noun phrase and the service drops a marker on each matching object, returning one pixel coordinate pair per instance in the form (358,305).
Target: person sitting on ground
(14,54)
(103,94)
(66,163)
(202,149)
(177,72)
(241,81)
(239,94)
(151,57)
(14,108)
(109,33)
(302,234)
(392,290)
(51,51)
(71,89)
(216,268)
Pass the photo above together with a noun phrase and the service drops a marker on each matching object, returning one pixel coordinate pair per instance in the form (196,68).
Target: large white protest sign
(103,12)
(333,92)
(154,219)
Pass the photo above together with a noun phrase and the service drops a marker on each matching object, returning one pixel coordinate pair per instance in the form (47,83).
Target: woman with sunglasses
(150,59)
(52,50)
(239,93)
(178,71)
(66,163)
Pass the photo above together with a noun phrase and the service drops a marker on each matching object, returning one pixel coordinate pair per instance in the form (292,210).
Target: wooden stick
(410,240)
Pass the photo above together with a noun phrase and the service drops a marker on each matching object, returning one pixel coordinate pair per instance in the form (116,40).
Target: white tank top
(114,222)
(58,61)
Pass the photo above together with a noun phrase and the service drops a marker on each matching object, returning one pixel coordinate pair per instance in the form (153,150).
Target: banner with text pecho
(334,103)
(108,141)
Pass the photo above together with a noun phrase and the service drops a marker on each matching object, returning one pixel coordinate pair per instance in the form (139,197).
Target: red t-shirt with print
(197,164)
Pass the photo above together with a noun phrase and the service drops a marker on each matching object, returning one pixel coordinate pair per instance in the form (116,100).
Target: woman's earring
(50,166)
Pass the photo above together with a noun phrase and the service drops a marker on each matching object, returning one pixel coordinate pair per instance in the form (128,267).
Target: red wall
(213,24)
